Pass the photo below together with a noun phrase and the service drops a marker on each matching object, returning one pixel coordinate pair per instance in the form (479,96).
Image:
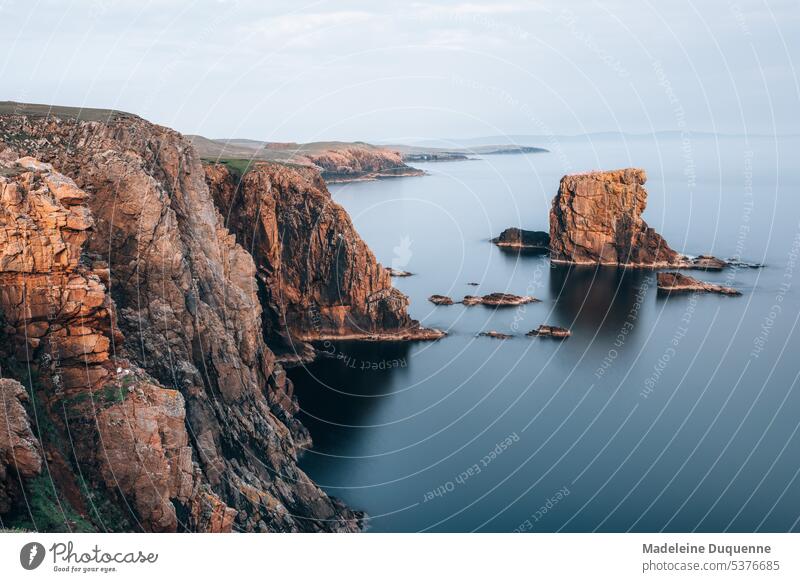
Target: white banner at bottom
(355,557)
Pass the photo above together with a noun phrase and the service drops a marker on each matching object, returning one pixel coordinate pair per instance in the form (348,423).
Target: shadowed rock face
(317,278)
(169,371)
(596,217)
(20,451)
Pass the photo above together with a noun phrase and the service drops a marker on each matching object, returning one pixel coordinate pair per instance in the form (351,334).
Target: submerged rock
(498,300)
(495,335)
(678,282)
(440,300)
(550,331)
(523,239)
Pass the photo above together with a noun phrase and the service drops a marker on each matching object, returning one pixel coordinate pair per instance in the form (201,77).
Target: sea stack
(596,218)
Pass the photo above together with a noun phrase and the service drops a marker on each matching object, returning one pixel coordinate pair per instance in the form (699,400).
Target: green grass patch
(49,511)
(236,166)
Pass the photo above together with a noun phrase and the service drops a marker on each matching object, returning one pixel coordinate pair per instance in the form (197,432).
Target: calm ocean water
(676,414)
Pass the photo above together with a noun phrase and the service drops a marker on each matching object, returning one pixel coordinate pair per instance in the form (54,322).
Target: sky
(408,71)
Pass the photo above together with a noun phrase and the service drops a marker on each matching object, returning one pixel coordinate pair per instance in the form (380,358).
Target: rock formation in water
(495,335)
(440,300)
(523,239)
(317,278)
(398,272)
(596,218)
(680,283)
(550,331)
(498,300)
(139,316)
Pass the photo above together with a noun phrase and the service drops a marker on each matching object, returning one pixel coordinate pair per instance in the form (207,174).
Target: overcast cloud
(302,71)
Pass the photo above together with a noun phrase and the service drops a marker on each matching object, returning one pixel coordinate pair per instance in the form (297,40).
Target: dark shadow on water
(343,388)
(599,299)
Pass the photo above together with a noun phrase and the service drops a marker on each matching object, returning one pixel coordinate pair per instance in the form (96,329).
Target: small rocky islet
(498,300)
(495,335)
(398,272)
(550,331)
(671,282)
(523,239)
(491,300)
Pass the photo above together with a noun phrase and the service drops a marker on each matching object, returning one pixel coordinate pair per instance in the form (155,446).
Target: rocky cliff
(139,316)
(317,278)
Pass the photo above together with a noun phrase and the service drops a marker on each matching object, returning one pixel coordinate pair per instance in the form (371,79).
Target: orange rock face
(319,280)
(596,217)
